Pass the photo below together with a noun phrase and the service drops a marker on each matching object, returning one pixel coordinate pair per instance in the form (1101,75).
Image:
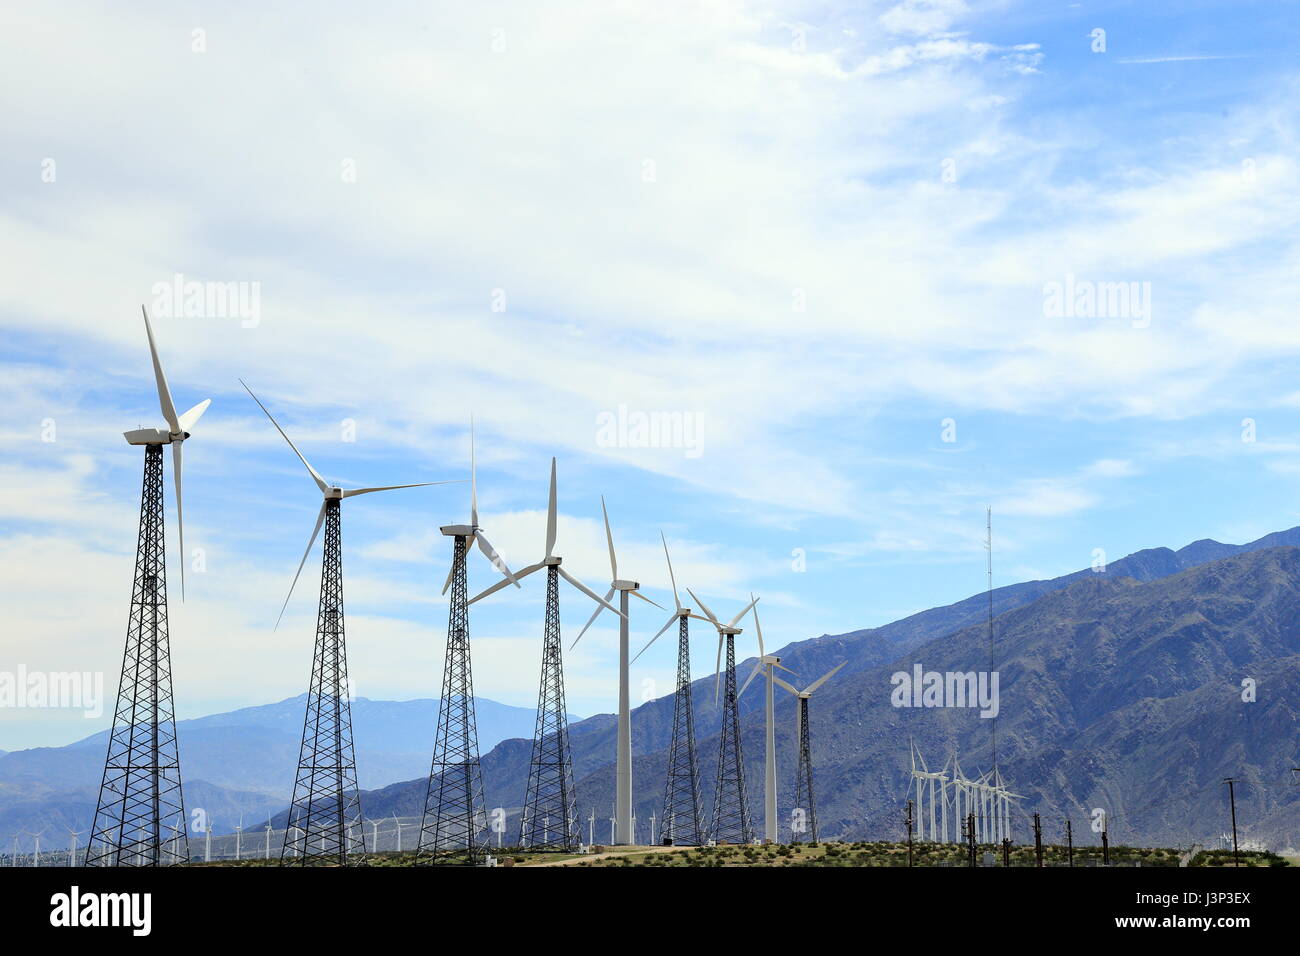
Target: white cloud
(922,16)
(658,190)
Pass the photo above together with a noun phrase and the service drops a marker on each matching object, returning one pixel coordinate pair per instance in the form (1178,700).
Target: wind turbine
(550,774)
(141,784)
(804,775)
(177,829)
(925,780)
(325,799)
(730,799)
(454,796)
(682,787)
(767,663)
(72,858)
(623,771)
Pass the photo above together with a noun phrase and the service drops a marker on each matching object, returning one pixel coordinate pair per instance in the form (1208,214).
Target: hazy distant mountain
(242,759)
(1119,690)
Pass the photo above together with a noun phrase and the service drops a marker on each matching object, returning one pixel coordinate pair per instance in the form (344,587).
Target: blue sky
(819,231)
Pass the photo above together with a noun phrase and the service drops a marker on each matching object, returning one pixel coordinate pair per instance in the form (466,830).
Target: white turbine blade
(353,492)
(698,618)
(750,679)
(757,626)
(451,571)
(783,683)
(655,638)
(550,515)
(164,393)
(647,600)
(180,512)
(734,620)
(786,669)
(588,591)
(713,618)
(504,581)
(717,667)
(490,553)
(473,480)
(188,420)
(594,614)
(609,538)
(320,520)
(671,577)
(824,678)
(320,482)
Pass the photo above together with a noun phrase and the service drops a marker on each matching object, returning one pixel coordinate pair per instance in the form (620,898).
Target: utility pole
(988,544)
(1038,840)
(1232,801)
(1069,841)
(1105,841)
(970,837)
(1006,851)
(909,832)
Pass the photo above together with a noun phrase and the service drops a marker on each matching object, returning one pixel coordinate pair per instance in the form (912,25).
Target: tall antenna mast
(988,546)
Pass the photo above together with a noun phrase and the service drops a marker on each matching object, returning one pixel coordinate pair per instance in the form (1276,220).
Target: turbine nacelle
(551,560)
(177,431)
(472,532)
(151,436)
(330,493)
(616,584)
(677,616)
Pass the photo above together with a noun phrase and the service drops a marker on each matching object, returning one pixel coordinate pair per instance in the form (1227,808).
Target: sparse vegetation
(1248,858)
(832,854)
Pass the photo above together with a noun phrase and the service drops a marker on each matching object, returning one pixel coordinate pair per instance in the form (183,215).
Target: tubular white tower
(623,835)
(766,663)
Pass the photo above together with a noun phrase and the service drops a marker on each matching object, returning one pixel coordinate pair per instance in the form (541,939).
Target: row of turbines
(140,792)
(986,798)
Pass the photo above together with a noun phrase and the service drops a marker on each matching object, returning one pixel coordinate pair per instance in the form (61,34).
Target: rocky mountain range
(1121,690)
(1133,689)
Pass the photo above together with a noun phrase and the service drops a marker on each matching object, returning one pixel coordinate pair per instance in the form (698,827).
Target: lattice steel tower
(140,813)
(453,807)
(682,821)
(803,782)
(731,820)
(326,807)
(550,818)
(139,818)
